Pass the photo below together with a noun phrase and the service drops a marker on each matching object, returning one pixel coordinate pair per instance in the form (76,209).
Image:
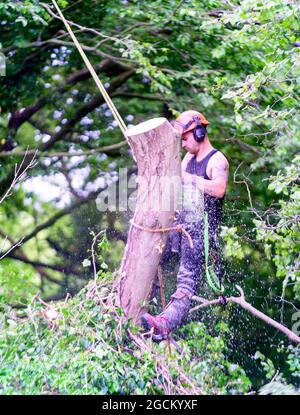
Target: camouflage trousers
(190,267)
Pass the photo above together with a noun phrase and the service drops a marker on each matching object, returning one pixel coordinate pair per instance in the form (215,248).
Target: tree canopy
(237,62)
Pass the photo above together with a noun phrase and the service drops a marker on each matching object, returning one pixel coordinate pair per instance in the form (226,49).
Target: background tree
(237,62)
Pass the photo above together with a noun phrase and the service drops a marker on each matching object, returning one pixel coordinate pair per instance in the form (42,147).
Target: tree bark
(156,149)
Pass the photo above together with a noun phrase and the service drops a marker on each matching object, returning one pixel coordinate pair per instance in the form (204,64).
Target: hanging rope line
(99,84)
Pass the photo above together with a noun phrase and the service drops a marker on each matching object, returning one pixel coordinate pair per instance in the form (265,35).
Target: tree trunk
(156,148)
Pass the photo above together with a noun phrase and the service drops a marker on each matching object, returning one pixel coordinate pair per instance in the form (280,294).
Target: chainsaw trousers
(191,263)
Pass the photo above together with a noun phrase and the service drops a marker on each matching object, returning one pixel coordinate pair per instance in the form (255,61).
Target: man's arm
(219,177)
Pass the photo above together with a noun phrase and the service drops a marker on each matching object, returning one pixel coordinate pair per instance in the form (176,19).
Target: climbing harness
(99,84)
(212,279)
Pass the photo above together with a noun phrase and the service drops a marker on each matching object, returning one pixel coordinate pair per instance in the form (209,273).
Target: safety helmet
(188,120)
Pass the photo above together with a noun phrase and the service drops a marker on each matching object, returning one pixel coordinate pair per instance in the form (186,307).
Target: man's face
(189,143)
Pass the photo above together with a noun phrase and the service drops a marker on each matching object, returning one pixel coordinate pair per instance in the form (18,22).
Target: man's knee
(182,293)
(181,300)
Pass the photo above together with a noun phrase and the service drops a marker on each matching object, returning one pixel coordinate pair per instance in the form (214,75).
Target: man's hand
(187,178)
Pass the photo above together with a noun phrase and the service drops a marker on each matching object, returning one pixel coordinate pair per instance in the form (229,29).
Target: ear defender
(199,132)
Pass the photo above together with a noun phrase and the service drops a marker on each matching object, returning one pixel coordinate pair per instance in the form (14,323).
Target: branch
(36,124)
(12,248)
(82,28)
(245,146)
(24,258)
(19,117)
(67,128)
(56,247)
(40,154)
(63,169)
(146,97)
(113,233)
(93,255)
(19,173)
(247,306)
(60,268)
(248,190)
(86,109)
(86,48)
(54,219)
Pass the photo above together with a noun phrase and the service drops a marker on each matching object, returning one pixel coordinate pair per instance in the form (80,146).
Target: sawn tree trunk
(156,148)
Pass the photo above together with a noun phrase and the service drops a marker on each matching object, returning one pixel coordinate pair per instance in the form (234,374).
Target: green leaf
(22,20)
(86,263)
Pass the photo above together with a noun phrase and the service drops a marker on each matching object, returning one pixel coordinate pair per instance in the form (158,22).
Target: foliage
(237,62)
(280,231)
(278,385)
(80,347)
(16,285)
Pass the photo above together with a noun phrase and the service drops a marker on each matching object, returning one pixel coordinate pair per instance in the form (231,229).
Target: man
(205,169)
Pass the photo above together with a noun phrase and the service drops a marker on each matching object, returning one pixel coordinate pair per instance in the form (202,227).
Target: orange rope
(178,228)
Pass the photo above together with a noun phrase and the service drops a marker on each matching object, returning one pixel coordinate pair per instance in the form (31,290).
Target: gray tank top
(199,167)
(212,205)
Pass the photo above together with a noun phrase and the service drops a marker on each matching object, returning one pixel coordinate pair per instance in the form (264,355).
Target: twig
(12,248)
(245,146)
(249,307)
(94,286)
(248,190)
(19,174)
(93,254)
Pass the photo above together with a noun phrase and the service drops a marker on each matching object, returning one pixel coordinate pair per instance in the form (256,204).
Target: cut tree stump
(156,148)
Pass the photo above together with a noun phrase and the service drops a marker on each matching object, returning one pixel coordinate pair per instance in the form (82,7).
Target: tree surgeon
(204,172)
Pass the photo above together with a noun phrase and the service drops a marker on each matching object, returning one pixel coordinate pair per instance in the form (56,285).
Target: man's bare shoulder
(218,159)
(217,163)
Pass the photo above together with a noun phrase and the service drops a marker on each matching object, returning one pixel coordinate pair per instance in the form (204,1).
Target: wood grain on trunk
(157,152)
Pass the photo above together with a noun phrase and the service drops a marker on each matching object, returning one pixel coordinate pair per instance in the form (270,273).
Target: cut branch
(247,306)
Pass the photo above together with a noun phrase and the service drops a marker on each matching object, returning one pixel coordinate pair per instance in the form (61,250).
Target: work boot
(160,326)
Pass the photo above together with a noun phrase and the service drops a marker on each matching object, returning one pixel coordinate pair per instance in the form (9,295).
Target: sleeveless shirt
(212,205)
